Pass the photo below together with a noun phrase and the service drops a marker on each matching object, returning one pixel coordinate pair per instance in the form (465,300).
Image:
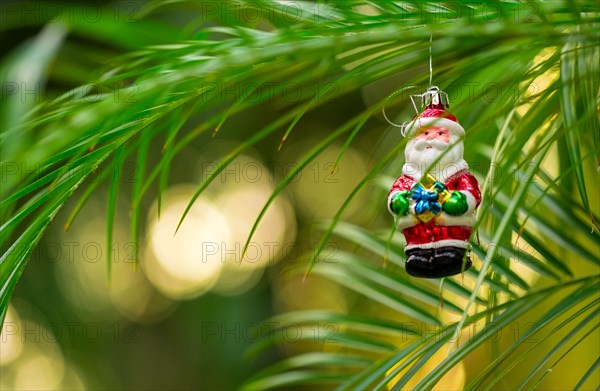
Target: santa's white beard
(420,159)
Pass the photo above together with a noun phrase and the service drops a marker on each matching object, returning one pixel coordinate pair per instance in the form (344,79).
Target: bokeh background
(181,311)
(183,316)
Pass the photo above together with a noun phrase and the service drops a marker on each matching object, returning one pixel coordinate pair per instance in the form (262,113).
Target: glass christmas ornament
(434,200)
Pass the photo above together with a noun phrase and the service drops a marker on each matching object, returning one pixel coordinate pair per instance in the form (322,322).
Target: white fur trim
(465,220)
(453,127)
(471,203)
(439,243)
(414,171)
(403,222)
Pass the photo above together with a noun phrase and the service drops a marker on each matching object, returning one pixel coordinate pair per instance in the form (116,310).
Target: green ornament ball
(399,204)
(456,204)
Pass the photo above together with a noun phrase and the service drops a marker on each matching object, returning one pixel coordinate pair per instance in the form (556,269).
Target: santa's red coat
(442,230)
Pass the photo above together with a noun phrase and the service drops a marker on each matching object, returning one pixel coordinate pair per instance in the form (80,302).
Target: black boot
(437,263)
(449,261)
(419,262)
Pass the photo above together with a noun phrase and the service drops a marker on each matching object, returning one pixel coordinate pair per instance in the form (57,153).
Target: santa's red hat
(436,114)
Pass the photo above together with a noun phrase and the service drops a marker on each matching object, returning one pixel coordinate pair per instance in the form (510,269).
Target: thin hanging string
(391,96)
(430,59)
(403,125)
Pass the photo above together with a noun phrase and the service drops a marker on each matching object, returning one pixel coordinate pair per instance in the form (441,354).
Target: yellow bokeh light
(82,272)
(10,342)
(177,263)
(240,193)
(235,280)
(38,372)
(40,364)
(241,205)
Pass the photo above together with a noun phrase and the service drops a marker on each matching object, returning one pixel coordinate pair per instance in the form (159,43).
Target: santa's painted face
(434,133)
(430,150)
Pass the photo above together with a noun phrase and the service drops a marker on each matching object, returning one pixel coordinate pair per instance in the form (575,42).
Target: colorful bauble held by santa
(434,200)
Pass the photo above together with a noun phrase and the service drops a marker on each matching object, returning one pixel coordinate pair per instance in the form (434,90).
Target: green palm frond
(525,81)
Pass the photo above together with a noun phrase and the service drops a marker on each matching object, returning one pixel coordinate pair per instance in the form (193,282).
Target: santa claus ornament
(434,200)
